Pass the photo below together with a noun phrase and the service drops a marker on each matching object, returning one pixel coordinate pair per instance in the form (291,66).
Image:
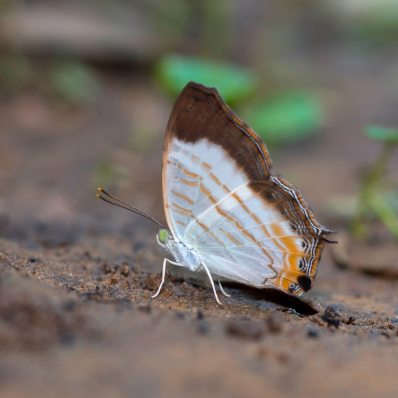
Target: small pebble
(145,308)
(245,330)
(293,311)
(151,283)
(107,269)
(331,317)
(115,278)
(180,315)
(313,333)
(70,306)
(67,339)
(125,271)
(204,327)
(200,315)
(99,288)
(185,286)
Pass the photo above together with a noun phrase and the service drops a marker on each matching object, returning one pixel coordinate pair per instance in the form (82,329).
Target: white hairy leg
(164,273)
(212,283)
(219,283)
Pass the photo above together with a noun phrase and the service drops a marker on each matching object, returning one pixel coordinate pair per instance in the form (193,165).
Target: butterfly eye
(163,235)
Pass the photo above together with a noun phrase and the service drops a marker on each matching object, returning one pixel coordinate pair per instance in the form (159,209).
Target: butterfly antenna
(129,207)
(139,259)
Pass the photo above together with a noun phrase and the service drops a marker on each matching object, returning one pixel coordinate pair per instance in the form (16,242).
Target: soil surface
(73,324)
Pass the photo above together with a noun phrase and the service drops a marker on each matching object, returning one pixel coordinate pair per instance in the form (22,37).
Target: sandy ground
(71,322)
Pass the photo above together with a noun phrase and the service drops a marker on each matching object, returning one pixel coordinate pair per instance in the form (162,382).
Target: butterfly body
(227,213)
(184,254)
(223,204)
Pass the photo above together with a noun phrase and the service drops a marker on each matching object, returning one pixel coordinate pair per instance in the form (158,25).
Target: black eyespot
(305,244)
(305,282)
(301,265)
(293,288)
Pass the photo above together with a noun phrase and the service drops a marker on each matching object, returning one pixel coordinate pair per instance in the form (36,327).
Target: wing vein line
(274,265)
(220,201)
(239,276)
(274,237)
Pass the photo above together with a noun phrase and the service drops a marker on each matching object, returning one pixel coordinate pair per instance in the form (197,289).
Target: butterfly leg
(163,275)
(198,268)
(212,283)
(219,283)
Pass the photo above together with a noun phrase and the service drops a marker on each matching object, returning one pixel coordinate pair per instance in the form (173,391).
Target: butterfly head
(163,236)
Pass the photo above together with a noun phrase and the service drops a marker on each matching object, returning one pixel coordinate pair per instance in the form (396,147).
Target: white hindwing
(211,208)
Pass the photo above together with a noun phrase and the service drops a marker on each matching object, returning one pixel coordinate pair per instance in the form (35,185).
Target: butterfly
(227,215)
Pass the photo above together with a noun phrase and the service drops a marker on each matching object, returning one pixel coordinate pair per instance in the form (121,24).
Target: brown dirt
(71,322)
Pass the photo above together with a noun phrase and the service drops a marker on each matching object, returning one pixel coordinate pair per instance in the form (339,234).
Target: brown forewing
(200,112)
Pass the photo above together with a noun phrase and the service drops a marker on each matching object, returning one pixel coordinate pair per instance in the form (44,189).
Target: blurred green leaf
(285,117)
(391,197)
(74,81)
(382,204)
(234,83)
(377,26)
(103,174)
(171,17)
(107,173)
(388,134)
(385,213)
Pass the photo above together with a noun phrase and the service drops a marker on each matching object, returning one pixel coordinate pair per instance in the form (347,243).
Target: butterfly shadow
(295,304)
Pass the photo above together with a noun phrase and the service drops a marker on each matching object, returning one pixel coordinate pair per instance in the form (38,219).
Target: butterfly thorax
(183,253)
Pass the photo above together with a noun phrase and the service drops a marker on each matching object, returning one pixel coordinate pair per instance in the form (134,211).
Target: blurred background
(86,88)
